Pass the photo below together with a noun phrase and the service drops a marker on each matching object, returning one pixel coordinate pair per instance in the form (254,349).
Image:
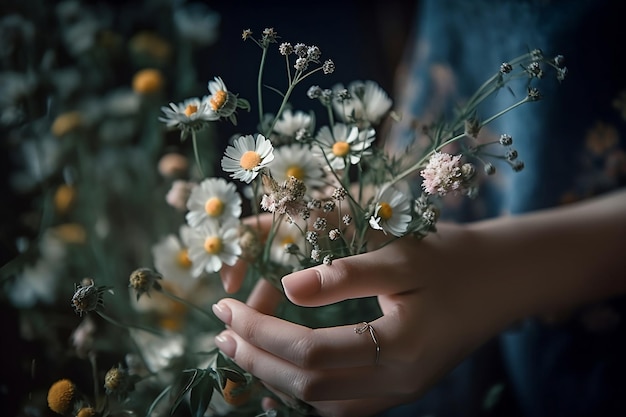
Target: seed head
(87,297)
(117,381)
(143,280)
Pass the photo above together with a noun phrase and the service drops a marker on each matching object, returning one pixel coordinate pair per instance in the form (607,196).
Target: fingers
(306,384)
(302,347)
(351,277)
(232,276)
(264,297)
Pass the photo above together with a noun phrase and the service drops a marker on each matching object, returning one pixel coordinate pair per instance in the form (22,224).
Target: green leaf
(183,385)
(200,396)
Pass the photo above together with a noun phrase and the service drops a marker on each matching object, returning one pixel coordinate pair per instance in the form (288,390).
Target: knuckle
(306,353)
(308,385)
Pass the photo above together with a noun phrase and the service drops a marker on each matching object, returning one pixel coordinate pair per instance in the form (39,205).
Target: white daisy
(213,199)
(291,123)
(192,114)
(297,161)
(222,102)
(343,144)
(392,212)
(368,102)
(288,235)
(247,156)
(171,258)
(211,246)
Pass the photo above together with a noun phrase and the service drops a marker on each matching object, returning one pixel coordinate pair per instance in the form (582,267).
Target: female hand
(433,316)
(441,297)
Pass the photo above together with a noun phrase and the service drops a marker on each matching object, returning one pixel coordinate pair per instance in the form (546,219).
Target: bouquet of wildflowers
(321,190)
(299,191)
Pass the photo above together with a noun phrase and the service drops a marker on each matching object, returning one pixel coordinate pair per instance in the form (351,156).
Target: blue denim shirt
(573,144)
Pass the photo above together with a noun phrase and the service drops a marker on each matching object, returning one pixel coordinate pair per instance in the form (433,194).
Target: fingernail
(222,311)
(302,284)
(226,344)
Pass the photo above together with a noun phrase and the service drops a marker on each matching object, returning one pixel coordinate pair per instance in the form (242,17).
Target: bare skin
(441,298)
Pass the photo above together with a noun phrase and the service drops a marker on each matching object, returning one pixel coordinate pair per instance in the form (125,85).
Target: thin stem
(196,152)
(259,84)
(190,305)
(126,325)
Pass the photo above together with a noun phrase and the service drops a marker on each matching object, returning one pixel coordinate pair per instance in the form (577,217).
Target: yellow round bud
(61,396)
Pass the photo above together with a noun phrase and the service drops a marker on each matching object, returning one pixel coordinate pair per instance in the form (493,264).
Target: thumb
(365,275)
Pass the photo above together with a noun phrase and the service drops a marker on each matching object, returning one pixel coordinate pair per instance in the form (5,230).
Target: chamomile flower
(222,103)
(297,161)
(211,246)
(288,241)
(392,212)
(247,156)
(343,144)
(214,199)
(171,257)
(290,123)
(191,115)
(368,102)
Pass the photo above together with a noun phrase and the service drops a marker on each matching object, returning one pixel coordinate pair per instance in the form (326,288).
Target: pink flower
(443,174)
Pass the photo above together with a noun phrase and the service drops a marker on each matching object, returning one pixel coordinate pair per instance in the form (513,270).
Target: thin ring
(365,326)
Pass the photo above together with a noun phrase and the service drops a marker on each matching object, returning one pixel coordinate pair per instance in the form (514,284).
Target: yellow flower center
(287,240)
(341,149)
(191,109)
(250,160)
(295,171)
(213,245)
(385,212)
(214,207)
(218,100)
(182,258)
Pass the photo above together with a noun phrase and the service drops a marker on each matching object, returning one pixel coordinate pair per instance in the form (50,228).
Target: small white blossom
(214,199)
(171,258)
(297,161)
(191,115)
(392,212)
(247,156)
(343,144)
(368,102)
(211,246)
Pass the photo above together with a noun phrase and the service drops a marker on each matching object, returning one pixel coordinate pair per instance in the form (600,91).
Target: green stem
(190,305)
(126,325)
(260,84)
(196,152)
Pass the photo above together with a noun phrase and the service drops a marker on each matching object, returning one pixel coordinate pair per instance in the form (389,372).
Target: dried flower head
(143,280)
(87,297)
(285,198)
(118,381)
(62,396)
(247,33)
(472,127)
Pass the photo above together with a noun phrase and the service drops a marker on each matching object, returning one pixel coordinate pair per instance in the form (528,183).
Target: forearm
(557,258)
